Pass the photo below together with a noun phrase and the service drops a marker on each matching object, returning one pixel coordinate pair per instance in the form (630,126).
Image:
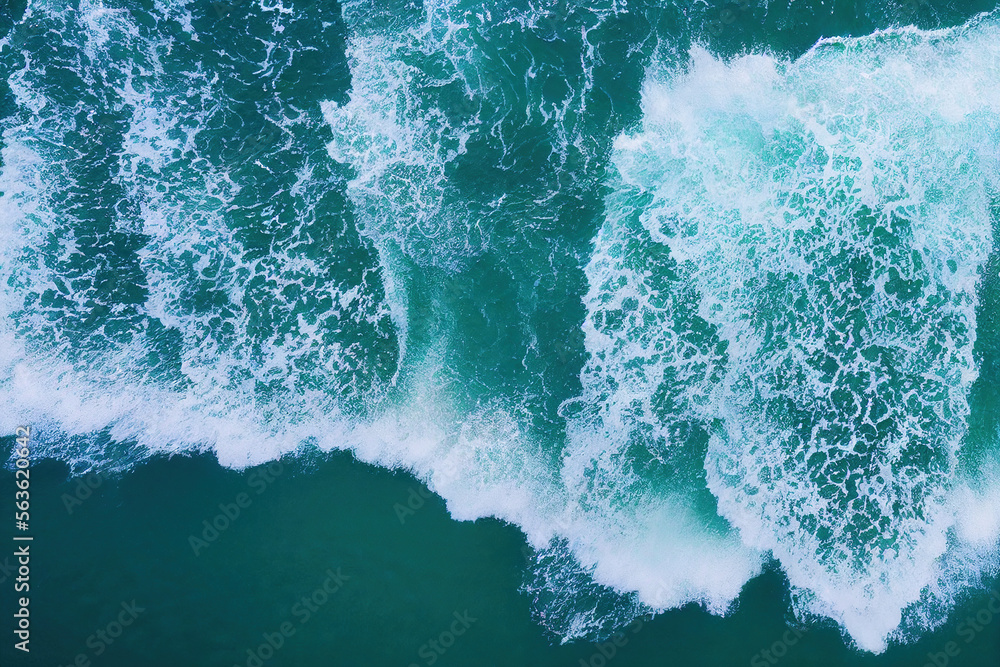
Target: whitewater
(679,314)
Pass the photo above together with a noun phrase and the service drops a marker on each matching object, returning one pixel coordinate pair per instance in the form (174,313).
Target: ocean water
(674,325)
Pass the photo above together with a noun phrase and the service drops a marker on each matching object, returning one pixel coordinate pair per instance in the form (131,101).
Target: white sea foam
(750,182)
(833,215)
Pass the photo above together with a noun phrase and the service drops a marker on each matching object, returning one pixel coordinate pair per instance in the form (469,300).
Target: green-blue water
(694,308)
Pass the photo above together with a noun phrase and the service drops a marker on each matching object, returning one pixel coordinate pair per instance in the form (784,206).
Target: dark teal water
(130,540)
(677,320)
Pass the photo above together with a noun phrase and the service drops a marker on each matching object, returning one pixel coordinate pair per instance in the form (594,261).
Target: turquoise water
(691,308)
(130,540)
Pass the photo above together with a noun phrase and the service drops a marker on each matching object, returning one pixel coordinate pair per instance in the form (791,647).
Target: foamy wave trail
(637,435)
(476,136)
(832,218)
(171,288)
(473,183)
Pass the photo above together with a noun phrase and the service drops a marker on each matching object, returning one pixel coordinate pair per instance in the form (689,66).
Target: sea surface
(519,333)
